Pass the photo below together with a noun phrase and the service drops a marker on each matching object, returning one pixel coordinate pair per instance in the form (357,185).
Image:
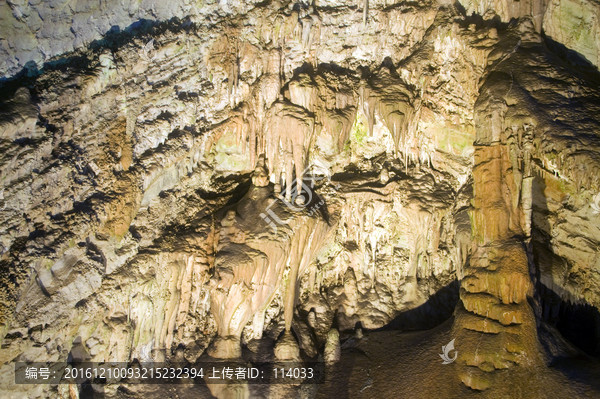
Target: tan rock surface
(285,176)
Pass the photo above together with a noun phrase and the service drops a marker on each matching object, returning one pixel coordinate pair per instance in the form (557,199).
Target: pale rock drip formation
(255,261)
(282,175)
(369,269)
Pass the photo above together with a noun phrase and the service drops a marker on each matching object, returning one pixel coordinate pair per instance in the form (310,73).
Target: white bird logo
(446,355)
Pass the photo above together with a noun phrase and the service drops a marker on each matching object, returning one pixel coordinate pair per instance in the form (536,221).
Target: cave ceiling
(304,181)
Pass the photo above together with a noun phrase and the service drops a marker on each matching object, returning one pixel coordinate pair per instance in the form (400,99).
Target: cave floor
(396,364)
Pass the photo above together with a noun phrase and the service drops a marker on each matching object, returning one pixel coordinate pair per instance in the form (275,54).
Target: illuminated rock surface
(277,181)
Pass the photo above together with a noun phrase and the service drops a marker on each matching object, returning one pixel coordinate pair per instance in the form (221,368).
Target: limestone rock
(286,348)
(575,24)
(332,351)
(222,175)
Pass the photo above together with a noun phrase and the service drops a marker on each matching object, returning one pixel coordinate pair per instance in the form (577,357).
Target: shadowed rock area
(402,196)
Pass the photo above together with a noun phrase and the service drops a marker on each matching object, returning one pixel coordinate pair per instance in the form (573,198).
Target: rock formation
(276,181)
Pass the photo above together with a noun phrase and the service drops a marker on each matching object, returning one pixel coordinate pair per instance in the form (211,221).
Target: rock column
(495,327)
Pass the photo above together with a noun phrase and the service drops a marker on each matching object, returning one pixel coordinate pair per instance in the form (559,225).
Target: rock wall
(575,25)
(113,198)
(202,185)
(506,10)
(41,30)
(34,33)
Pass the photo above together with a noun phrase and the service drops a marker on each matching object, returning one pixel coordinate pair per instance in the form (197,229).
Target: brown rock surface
(270,179)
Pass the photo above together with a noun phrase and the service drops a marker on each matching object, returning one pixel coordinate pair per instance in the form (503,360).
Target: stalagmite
(350,186)
(497,284)
(332,350)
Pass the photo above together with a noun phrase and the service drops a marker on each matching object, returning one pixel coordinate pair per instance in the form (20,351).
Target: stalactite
(289,177)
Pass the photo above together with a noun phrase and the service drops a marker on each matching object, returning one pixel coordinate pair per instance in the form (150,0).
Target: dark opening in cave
(438,308)
(579,323)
